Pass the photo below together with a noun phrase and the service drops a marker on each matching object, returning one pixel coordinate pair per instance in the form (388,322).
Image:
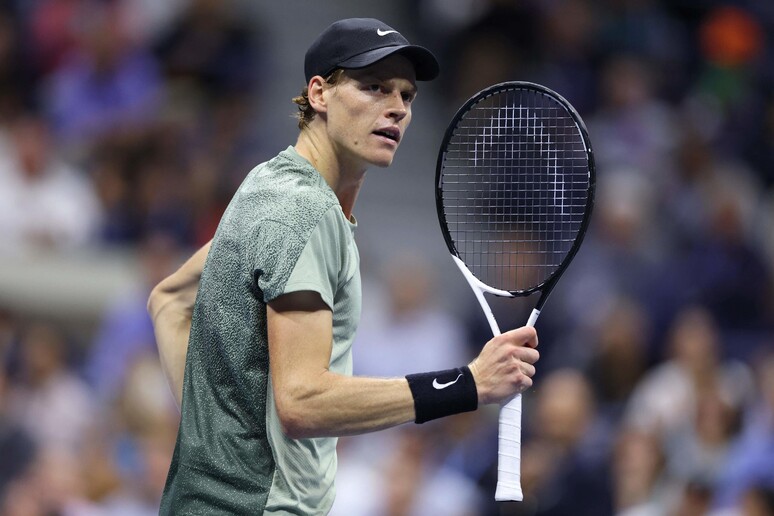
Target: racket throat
(478,289)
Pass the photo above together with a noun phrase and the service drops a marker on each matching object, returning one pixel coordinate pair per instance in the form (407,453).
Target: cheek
(407,119)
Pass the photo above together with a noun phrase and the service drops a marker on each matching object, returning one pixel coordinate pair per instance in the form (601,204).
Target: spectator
(489,51)
(44,203)
(125,333)
(619,357)
(107,84)
(209,52)
(566,460)
(633,128)
(566,63)
(748,474)
(48,399)
(699,453)
(666,400)
(640,485)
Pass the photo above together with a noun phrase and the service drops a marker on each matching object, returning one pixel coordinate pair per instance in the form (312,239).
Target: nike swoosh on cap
(381,32)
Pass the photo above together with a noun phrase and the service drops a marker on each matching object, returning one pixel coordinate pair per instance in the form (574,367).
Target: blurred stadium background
(126,125)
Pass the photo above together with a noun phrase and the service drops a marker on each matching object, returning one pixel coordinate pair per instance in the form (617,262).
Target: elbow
(152,301)
(294,419)
(156,300)
(293,427)
(167,293)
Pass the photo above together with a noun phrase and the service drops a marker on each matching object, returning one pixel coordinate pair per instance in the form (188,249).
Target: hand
(505,366)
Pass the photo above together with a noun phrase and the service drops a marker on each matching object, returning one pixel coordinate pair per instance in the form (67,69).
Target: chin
(382,163)
(382,159)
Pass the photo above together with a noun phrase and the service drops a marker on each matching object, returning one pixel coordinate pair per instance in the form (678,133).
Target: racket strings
(515,186)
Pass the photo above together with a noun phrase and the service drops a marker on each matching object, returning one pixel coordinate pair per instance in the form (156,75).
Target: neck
(345,179)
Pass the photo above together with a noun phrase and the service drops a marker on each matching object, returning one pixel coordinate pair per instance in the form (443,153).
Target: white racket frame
(509,431)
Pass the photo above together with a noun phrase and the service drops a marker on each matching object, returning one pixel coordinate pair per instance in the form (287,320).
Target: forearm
(172,327)
(336,405)
(170,306)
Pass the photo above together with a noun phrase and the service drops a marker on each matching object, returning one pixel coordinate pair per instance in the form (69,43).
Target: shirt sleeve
(274,258)
(287,262)
(319,266)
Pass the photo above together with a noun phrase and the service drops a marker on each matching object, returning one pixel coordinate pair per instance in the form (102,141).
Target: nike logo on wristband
(440,386)
(384,32)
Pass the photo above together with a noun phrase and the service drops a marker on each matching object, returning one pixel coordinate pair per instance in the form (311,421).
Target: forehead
(392,67)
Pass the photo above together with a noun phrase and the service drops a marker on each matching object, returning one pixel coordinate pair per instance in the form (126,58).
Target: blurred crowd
(127,123)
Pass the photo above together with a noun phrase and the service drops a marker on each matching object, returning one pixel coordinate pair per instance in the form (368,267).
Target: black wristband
(443,393)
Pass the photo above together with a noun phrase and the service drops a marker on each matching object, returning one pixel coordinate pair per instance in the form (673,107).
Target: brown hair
(306,113)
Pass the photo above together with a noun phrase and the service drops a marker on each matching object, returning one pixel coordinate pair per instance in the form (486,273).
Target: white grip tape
(509,445)
(509,453)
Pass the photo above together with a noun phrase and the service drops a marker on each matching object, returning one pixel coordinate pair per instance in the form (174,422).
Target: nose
(396,109)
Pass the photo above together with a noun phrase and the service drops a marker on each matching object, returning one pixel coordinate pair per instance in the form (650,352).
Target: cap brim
(425,64)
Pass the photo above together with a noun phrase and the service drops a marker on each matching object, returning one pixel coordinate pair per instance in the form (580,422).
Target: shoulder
(289,190)
(280,192)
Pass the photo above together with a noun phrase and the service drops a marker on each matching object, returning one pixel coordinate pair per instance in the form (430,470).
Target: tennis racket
(514,191)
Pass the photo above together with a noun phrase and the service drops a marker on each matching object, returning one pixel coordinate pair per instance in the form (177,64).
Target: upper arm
(300,331)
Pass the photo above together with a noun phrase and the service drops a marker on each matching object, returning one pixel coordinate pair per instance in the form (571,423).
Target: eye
(374,88)
(408,97)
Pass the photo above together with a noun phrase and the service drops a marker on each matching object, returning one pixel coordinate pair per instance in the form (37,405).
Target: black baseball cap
(360,42)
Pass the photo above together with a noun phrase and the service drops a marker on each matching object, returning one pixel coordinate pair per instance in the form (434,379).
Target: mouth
(391,133)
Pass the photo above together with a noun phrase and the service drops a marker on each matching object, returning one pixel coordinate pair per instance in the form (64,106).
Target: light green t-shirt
(284,231)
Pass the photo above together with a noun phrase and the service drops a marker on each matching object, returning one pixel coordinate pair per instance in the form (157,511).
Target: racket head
(515,181)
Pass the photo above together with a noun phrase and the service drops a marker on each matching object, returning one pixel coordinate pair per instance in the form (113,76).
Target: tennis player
(272,303)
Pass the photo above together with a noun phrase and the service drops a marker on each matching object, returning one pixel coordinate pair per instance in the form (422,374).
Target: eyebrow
(365,76)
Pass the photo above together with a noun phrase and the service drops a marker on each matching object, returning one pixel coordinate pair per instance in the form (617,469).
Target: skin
(341,142)
(170,306)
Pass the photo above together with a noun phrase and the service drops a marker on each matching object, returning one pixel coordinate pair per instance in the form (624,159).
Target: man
(267,384)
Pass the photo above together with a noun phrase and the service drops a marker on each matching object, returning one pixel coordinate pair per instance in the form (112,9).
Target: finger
(526,335)
(526,383)
(528,355)
(533,337)
(527,369)
(524,367)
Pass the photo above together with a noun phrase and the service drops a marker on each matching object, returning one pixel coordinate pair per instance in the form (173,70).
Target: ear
(316,90)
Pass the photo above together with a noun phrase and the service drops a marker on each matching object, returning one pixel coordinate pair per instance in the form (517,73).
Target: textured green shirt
(283,231)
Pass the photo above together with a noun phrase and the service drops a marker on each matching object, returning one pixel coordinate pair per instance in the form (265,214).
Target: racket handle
(509,445)
(509,453)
